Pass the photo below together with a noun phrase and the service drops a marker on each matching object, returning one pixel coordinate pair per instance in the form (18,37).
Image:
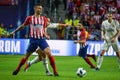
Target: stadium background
(15,11)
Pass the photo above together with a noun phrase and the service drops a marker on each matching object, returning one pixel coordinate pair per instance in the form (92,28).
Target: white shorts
(114,45)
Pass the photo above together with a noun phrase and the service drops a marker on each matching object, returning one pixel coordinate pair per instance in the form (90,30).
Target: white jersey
(110,28)
(53,25)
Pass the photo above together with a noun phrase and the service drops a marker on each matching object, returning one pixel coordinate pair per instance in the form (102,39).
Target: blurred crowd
(4,31)
(90,13)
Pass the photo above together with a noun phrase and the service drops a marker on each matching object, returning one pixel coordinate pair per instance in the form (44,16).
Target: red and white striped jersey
(82,35)
(37,26)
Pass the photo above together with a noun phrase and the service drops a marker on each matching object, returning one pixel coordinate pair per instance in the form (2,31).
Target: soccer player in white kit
(110,31)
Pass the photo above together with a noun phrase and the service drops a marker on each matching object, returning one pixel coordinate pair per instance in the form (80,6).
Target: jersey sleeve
(83,35)
(87,35)
(102,26)
(117,25)
(53,25)
(45,22)
(27,21)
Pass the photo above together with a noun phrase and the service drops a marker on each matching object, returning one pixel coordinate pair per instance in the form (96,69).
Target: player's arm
(103,34)
(103,31)
(115,36)
(80,41)
(21,26)
(118,32)
(46,35)
(63,25)
(16,30)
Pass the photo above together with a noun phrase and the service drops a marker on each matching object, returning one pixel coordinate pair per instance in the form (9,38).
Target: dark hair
(38,4)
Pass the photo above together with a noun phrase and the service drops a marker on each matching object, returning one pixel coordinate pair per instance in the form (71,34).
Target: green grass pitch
(66,66)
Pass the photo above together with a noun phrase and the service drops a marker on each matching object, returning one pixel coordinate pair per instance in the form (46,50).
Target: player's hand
(66,25)
(47,36)
(10,35)
(112,40)
(103,38)
(74,35)
(75,41)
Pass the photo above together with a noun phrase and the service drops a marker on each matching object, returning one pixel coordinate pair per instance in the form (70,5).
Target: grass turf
(66,66)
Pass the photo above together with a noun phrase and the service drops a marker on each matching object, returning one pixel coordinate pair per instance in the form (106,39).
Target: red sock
(89,62)
(88,55)
(22,61)
(52,63)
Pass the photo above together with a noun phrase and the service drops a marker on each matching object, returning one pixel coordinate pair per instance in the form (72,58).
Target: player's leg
(118,55)
(35,60)
(105,48)
(116,48)
(22,62)
(29,63)
(52,60)
(31,48)
(83,54)
(93,56)
(89,62)
(42,57)
(45,47)
(45,63)
(100,60)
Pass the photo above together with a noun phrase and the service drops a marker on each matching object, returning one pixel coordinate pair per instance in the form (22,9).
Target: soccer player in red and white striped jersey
(38,25)
(82,37)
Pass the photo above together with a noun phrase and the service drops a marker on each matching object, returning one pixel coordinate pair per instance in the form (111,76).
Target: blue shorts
(34,43)
(83,51)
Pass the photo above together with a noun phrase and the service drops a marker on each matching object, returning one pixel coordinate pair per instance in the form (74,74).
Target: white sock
(99,61)
(35,60)
(45,62)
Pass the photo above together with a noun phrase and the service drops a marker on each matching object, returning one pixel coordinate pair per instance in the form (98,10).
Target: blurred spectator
(92,8)
(102,10)
(92,13)
(55,5)
(92,22)
(97,17)
(118,5)
(77,3)
(116,15)
(112,8)
(70,7)
(85,23)
(87,4)
(10,29)
(65,4)
(68,20)
(108,3)
(3,31)
(26,36)
(76,21)
(75,13)
(82,10)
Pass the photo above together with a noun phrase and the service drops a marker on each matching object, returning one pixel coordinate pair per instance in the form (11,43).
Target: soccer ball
(81,72)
